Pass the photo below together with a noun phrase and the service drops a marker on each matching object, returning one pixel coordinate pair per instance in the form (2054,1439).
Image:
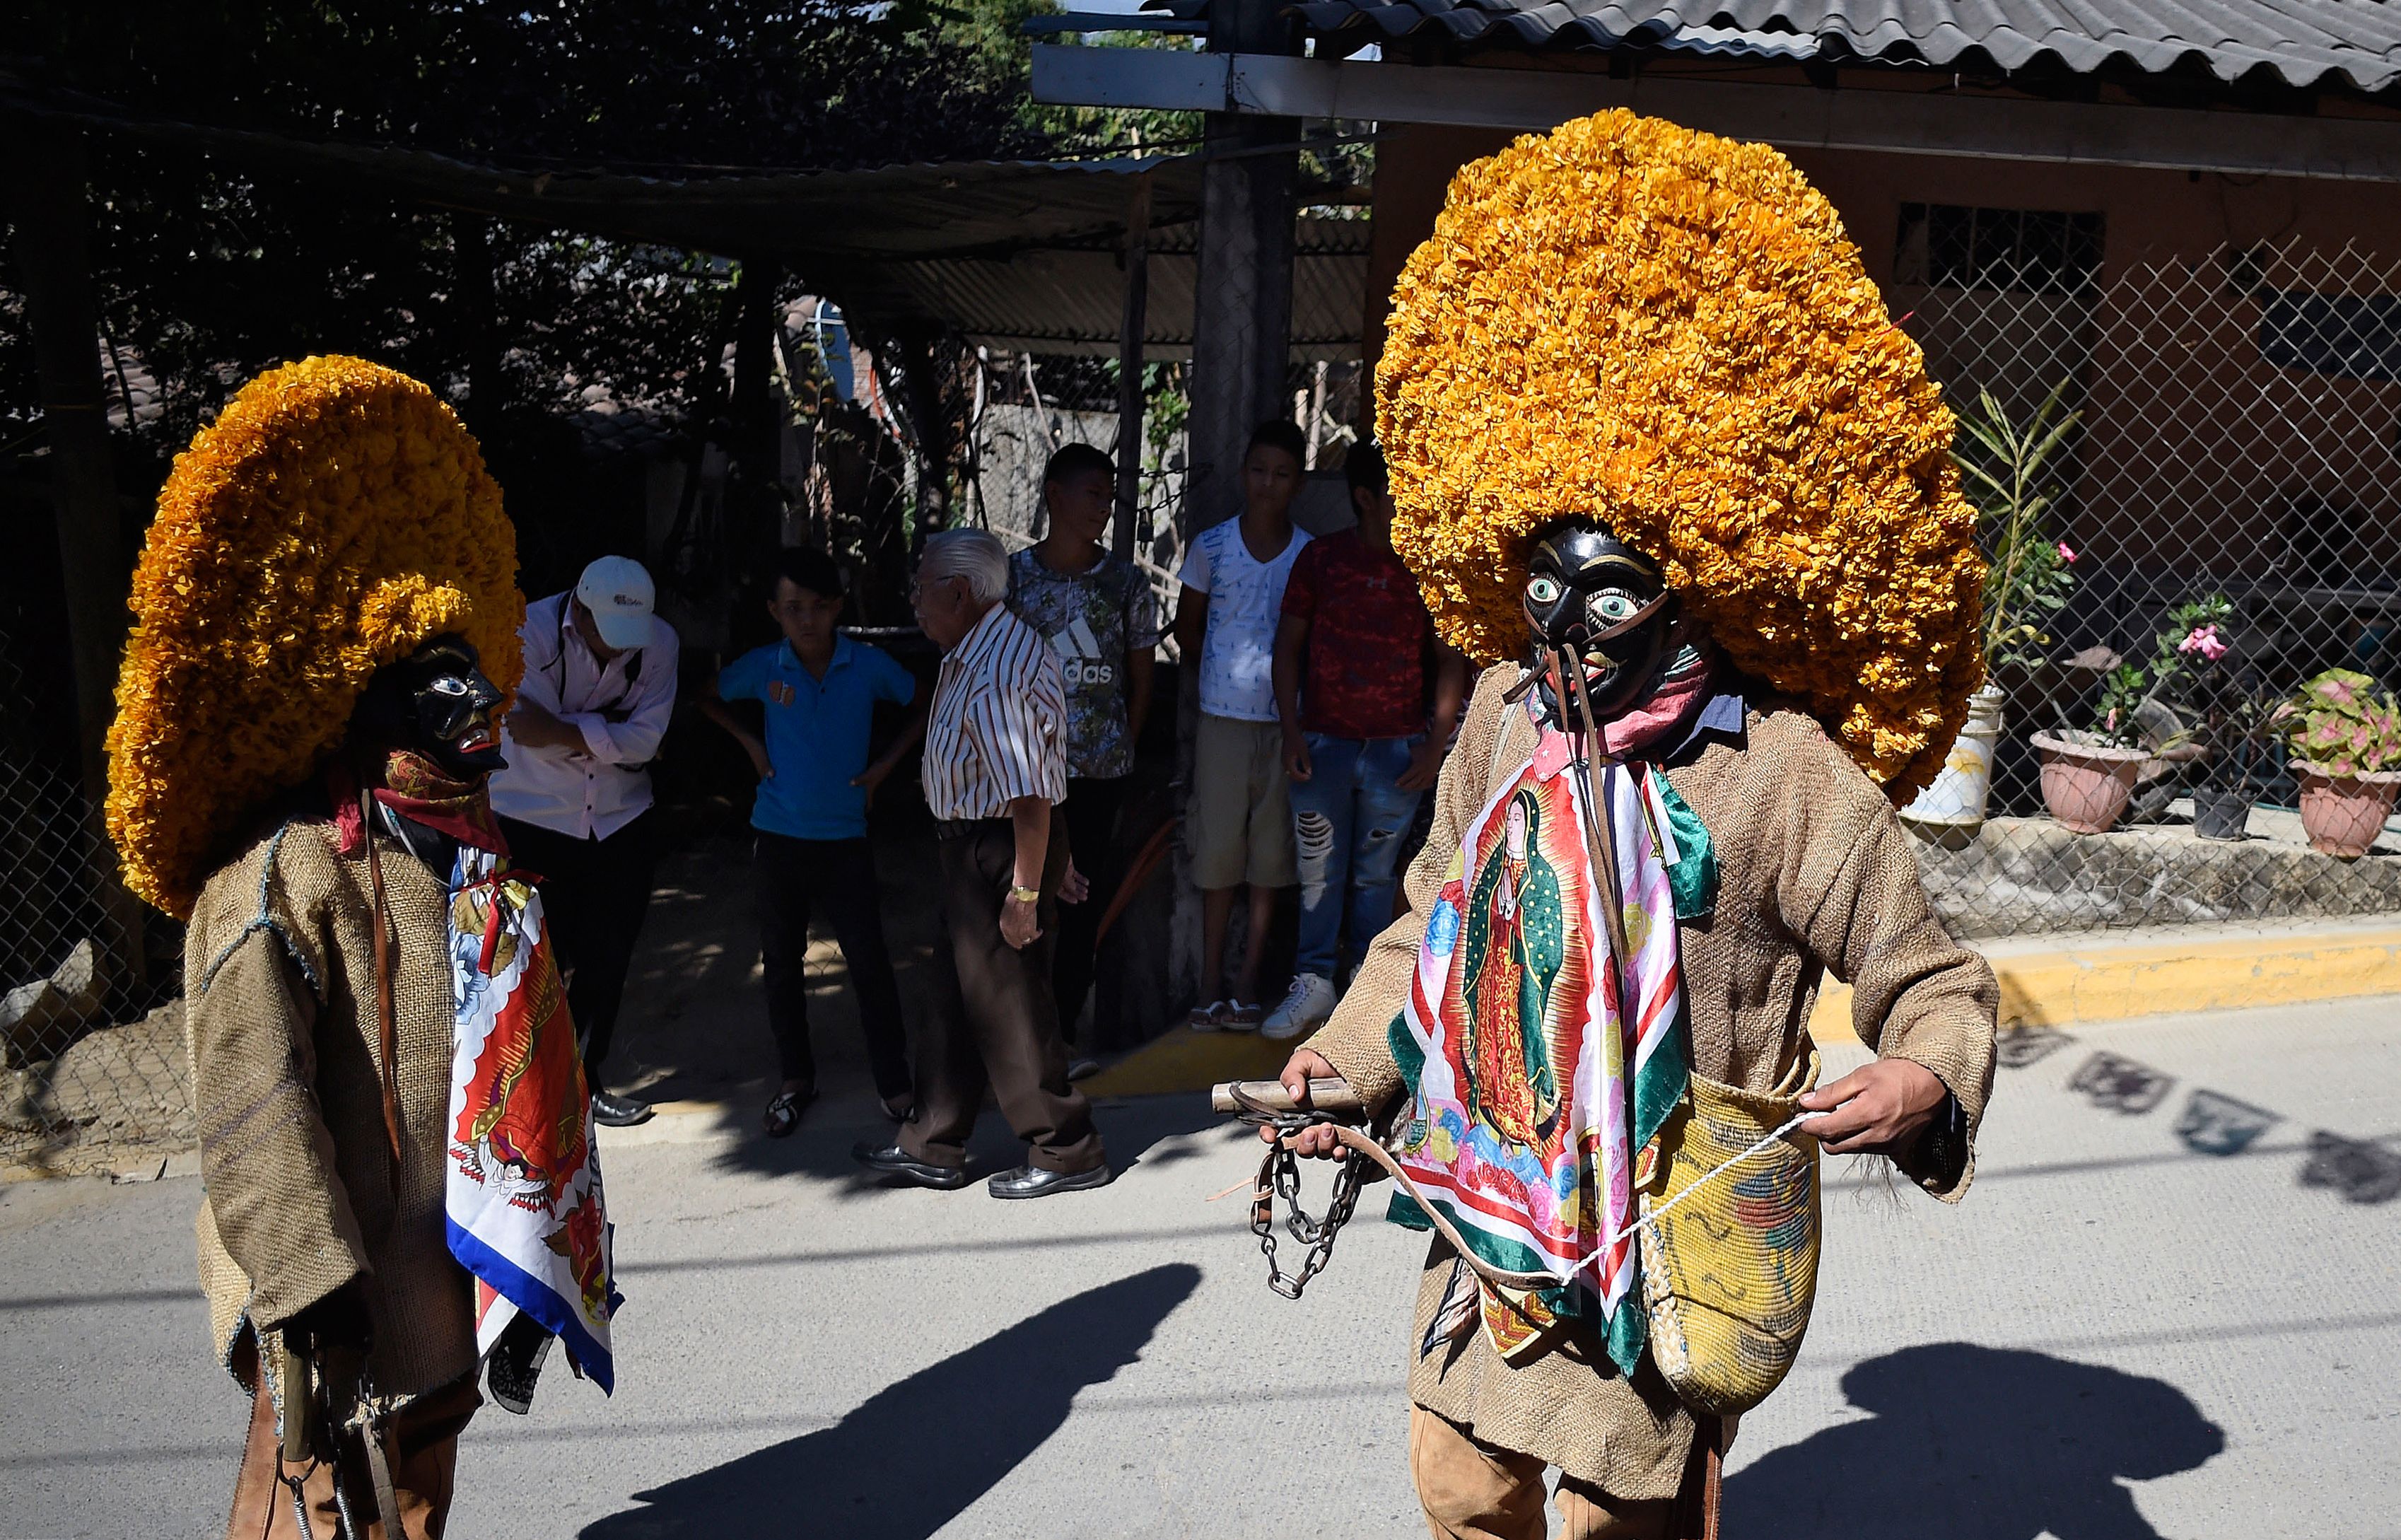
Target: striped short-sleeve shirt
(998,730)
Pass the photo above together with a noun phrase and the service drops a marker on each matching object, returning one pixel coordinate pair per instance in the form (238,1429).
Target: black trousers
(836,880)
(994,1022)
(594,893)
(1091,816)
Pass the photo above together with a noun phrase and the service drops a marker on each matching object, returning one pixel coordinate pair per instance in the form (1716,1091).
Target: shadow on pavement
(1977,1443)
(912,1457)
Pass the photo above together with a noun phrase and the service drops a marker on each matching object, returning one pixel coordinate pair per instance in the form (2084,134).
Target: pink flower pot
(2086,786)
(2343,815)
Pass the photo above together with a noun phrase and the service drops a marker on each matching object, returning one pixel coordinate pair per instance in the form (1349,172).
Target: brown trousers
(422,1440)
(995,1020)
(1471,1490)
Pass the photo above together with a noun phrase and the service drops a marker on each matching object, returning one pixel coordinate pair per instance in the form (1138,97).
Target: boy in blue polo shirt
(819,690)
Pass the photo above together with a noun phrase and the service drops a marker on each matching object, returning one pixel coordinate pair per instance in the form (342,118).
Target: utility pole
(1242,325)
(1242,335)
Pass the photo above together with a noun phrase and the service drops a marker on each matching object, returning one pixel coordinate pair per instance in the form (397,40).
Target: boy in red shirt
(1352,655)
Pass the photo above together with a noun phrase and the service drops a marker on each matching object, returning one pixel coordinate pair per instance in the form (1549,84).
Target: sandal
(1239,1017)
(783,1111)
(1210,1017)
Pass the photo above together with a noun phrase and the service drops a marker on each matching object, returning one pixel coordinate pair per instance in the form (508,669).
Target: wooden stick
(1335,1096)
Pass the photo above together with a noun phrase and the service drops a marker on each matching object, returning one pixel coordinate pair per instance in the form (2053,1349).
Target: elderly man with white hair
(995,765)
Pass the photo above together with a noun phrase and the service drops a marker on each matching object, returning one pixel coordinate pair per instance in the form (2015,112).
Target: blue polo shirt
(816,734)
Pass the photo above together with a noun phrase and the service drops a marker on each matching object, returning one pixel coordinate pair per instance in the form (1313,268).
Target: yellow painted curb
(2096,981)
(2117,981)
(1185,1060)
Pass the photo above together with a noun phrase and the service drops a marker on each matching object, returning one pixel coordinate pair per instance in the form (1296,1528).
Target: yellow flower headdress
(1669,331)
(333,519)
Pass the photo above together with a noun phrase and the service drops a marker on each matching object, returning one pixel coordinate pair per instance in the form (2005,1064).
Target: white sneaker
(1305,1008)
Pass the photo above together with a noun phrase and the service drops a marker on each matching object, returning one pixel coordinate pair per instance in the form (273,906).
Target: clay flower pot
(2086,786)
(2343,815)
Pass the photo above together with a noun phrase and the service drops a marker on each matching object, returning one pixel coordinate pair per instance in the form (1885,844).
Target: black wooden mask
(1605,607)
(437,702)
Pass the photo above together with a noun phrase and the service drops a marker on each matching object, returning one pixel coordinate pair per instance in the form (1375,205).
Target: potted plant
(2345,735)
(2088,774)
(2224,697)
(2027,581)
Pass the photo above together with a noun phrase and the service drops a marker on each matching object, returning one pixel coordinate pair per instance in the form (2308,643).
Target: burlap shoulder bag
(1729,1275)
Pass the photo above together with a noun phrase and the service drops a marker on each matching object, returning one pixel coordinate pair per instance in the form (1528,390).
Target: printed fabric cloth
(1534,1087)
(1364,675)
(524,1205)
(1093,620)
(1245,600)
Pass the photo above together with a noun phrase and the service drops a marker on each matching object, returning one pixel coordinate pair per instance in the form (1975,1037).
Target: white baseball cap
(617,590)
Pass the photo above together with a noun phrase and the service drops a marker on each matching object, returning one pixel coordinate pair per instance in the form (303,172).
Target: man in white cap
(575,800)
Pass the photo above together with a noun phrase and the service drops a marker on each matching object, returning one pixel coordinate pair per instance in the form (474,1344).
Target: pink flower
(2206,641)
(2065,555)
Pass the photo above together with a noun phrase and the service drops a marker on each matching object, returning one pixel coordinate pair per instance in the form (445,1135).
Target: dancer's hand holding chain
(1305,1064)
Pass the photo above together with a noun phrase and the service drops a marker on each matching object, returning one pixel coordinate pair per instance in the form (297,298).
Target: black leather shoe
(1028,1181)
(893,1161)
(619,1112)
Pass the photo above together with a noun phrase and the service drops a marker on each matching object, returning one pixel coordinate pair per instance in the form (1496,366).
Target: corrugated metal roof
(2353,43)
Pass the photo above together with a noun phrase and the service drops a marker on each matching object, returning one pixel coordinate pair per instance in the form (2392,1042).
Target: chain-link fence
(91,1050)
(2185,468)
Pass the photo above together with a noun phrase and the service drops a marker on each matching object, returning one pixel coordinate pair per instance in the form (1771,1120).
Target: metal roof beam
(1902,123)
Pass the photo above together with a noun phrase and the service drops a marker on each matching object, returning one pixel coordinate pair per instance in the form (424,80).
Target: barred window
(2020,250)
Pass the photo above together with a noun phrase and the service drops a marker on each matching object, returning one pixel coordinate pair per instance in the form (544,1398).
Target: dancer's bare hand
(1304,1067)
(1878,1109)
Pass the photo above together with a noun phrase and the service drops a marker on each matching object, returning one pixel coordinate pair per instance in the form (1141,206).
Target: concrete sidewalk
(2168,1308)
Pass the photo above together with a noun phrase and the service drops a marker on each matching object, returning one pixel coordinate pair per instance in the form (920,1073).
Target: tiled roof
(2354,43)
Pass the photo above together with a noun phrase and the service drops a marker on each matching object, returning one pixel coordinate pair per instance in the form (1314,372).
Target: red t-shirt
(1365,672)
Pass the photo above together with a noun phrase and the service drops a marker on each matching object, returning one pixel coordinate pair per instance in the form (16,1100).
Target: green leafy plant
(2117,718)
(2013,481)
(2344,723)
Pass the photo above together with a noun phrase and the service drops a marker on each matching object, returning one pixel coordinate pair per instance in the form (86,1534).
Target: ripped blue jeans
(1349,819)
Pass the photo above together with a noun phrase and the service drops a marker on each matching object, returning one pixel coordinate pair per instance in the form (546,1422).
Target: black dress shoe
(619,1112)
(1028,1181)
(893,1161)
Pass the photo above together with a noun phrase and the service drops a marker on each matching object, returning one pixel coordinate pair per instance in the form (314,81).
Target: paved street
(2153,1315)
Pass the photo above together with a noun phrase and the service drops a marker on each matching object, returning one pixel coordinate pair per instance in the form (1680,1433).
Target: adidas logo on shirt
(1081,661)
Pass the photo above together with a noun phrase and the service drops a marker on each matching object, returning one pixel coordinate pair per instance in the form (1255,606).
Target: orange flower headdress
(333,519)
(1669,331)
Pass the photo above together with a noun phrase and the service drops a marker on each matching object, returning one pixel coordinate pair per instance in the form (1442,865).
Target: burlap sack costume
(1667,333)
(333,519)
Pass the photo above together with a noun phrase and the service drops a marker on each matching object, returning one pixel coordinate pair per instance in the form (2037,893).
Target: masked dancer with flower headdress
(1662,462)
(403,1196)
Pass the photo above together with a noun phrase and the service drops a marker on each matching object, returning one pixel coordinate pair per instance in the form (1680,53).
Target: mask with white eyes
(438,702)
(1604,606)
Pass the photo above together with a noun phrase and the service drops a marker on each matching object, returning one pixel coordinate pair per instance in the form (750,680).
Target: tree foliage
(208,271)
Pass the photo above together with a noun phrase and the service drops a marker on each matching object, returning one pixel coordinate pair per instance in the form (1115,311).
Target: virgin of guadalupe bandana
(1535,1090)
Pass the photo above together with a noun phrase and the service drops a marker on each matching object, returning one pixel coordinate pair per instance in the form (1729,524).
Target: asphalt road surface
(2168,1307)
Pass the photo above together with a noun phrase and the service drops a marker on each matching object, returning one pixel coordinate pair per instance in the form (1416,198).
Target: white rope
(1660,1212)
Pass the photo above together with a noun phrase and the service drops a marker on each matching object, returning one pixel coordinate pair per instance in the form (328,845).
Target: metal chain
(1280,1174)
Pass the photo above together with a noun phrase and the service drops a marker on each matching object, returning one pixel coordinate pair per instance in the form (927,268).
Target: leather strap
(371,1433)
(1702,1493)
(386,1022)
